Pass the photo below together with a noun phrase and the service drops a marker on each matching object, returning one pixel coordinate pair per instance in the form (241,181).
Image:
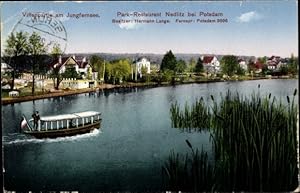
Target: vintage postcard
(144,96)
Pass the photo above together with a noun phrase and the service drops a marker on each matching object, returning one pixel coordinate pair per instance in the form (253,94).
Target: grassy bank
(254,144)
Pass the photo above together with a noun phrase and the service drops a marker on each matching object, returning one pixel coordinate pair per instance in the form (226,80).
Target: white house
(242,64)
(140,63)
(81,66)
(274,62)
(79,63)
(211,64)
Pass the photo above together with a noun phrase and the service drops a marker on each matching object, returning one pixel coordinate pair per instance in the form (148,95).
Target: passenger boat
(62,125)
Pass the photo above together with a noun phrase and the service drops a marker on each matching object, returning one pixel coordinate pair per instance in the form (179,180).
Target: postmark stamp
(48,27)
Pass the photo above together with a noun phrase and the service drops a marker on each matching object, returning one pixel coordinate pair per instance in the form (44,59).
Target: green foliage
(265,69)
(36,48)
(240,71)
(283,70)
(254,140)
(118,70)
(180,66)
(168,62)
(251,66)
(16,45)
(167,76)
(199,66)
(36,45)
(192,65)
(293,65)
(57,77)
(70,73)
(98,65)
(56,50)
(229,64)
(190,173)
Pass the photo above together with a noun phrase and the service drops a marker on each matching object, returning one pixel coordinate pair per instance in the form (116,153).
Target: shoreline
(61,93)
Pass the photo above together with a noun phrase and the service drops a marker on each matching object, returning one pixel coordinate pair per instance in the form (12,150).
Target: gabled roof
(140,59)
(207,59)
(241,60)
(82,64)
(56,62)
(274,57)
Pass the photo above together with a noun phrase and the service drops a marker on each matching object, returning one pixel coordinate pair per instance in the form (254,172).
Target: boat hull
(64,132)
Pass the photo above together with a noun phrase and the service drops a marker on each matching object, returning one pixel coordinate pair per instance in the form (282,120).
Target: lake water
(127,153)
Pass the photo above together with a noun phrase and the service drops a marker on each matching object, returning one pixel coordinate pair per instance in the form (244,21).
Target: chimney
(74,57)
(59,59)
(84,59)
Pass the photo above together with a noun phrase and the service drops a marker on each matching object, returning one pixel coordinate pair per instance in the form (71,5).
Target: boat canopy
(70,116)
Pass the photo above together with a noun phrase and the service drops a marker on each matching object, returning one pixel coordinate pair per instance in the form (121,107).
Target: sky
(253,28)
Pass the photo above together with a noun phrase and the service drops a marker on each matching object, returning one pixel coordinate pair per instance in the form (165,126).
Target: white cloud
(129,26)
(132,25)
(249,16)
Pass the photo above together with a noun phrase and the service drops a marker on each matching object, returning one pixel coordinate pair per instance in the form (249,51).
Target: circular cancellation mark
(48,27)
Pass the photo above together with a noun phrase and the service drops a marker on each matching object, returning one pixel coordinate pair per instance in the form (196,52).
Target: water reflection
(136,137)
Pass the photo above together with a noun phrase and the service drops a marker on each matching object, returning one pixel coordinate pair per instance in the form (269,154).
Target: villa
(81,66)
(79,63)
(142,63)
(274,62)
(242,64)
(211,64)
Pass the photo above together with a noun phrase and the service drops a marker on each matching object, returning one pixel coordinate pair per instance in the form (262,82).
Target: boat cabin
(66,121)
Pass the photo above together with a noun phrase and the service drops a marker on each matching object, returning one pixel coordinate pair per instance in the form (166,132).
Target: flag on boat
(23,123)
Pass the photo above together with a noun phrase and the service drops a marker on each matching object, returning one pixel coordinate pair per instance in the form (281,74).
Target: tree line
(22,48)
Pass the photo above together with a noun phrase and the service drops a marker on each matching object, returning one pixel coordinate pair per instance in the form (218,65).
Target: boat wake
(17,138)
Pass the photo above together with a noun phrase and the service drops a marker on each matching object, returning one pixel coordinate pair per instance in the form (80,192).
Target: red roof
(207,59)
(258,65)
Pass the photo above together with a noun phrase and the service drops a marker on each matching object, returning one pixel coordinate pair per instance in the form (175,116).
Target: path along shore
(59,93)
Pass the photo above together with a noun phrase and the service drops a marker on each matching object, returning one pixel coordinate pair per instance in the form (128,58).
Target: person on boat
(36,118)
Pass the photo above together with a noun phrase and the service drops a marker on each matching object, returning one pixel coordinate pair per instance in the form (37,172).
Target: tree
(55,74)
(251,66)
(192,65)
(262,60)
(180,66)
(167,76)
(240,70)
(144,74)
(56,51)
(293,64)
(98,65)
(229,64)
(199,66)
(168,62)
(36,48)
(70,73)
(118,70)
(16,45)
(283,70)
